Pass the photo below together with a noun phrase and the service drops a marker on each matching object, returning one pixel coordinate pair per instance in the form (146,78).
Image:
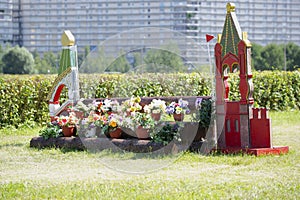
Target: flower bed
(99,117)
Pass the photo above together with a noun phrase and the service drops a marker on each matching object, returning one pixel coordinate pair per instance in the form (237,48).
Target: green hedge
(23,97)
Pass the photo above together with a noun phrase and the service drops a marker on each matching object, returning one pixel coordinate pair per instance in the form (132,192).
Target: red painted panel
(260,133)
(232,136)
(57,93)
(232,124)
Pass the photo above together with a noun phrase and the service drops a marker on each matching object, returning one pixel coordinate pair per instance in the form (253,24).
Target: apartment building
(6,21)
(38,24)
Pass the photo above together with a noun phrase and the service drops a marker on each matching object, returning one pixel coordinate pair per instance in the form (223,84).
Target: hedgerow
(23,97)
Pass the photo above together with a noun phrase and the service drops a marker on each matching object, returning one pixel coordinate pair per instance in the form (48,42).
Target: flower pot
(115,133)
(68,131)
(142,133)
(156,116)
(178,117)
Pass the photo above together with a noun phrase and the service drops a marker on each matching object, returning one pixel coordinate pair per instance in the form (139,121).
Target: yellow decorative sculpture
(67,39)
(230,7)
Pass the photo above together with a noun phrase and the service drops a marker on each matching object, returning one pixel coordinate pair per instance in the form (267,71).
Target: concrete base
(100,144)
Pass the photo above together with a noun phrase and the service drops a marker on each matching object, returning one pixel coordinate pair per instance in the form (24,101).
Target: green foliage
(119,65)
(1,54)
(277,90)
(50,131)
(272,56)
(272,89)
(162,60)
(167,132)
(203,113)
(257,60)
(18,60)
(47,64)
(96,62)
(23,98)
(292,56)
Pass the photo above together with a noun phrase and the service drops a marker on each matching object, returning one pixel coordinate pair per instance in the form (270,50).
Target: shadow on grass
(12,145)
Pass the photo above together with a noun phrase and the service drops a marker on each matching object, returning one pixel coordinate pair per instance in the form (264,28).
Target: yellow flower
(132,109)
(113,124)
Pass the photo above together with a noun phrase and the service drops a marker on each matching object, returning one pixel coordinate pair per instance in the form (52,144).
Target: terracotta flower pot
(68,131)
(178,117)
(142,133)
(156,116)
(115,133)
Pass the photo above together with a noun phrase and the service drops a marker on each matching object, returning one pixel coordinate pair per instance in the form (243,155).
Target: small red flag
(209,37)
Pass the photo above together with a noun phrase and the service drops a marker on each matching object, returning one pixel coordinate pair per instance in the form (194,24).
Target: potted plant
(202,116)
(81,109)
(131,105)
(92,122)
(108,106)
(112,126)
(143,123)
(178,109)
(52,130)
(155,108)
(167,133)
(68,124)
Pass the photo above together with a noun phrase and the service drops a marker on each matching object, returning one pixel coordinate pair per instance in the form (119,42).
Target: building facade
(6,21)
(38,24)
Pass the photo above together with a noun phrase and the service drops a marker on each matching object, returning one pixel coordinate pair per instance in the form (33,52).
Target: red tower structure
(241,127)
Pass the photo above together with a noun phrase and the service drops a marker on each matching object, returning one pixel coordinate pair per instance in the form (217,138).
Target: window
(228,126)
(236,125)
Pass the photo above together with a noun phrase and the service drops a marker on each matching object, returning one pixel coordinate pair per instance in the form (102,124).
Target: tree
(166,59)
(82,56)
(47,64)
(137,59)
(96,62)
(119,65)
(292,56)
(257,60)
(18,60)
(273,57)
(1,54)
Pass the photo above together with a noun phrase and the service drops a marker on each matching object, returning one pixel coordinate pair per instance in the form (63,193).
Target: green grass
(27,173)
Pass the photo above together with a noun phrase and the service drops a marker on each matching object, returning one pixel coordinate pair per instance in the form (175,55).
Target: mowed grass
(27,173)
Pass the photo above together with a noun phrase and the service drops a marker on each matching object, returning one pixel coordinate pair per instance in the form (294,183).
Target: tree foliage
(47,64)
(18,60)
(97,61)
(166,59)
(120,64)
(292,56)
(272,56)
(1,54)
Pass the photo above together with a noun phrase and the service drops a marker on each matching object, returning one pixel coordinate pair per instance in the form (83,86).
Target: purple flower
(92,125)
(198,102)
(183,104)
(175,127)
(187,111)
(170,110)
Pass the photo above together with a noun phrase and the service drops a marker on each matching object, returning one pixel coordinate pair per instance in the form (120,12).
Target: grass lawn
(27,173)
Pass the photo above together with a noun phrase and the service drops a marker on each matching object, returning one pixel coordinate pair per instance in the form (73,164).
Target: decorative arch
(68,76)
